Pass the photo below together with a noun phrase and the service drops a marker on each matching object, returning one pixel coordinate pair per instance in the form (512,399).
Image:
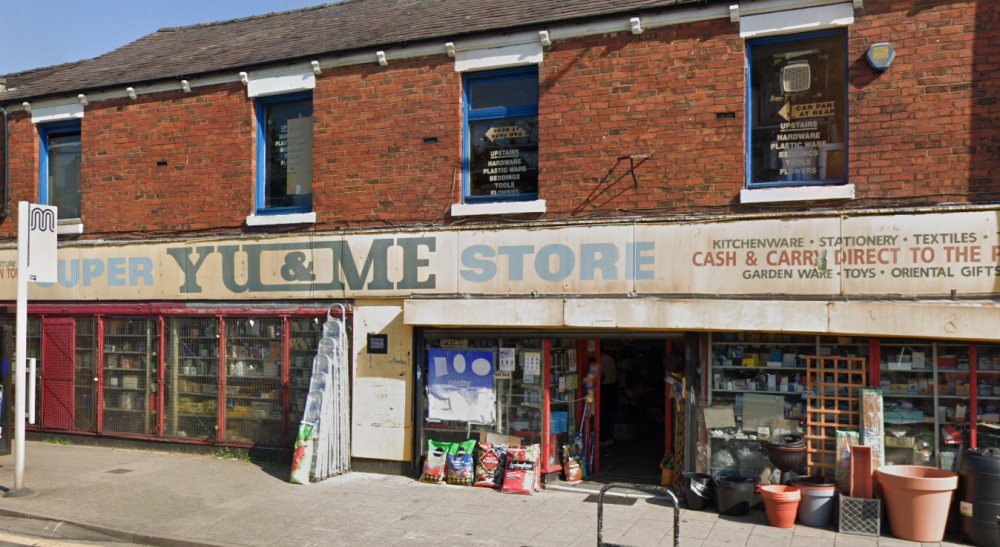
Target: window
(59,176)
(501,135)
(797,110)
(284,154)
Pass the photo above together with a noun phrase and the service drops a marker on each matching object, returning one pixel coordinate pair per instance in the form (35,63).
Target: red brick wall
(925,131)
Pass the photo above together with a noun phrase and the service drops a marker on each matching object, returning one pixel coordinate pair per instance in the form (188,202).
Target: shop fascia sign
(480,263)
(921,254)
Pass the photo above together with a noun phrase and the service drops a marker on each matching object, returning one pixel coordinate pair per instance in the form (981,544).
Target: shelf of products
(303,342)
(768,371)
(987,408)
(563,382)
(130,359)
(525,413)
(254,353)
(192,378)
(85,375)
(926,386)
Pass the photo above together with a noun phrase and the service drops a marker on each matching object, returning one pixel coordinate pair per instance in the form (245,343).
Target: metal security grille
(254,353)
(58,389)
(130,358)
(191,378)
(85,375)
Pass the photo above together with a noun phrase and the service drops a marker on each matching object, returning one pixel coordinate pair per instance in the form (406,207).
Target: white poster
(460,386)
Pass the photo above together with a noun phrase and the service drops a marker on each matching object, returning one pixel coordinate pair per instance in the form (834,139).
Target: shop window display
(532,393)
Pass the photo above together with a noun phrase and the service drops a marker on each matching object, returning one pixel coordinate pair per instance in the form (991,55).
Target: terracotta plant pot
(781,503)
(917,500)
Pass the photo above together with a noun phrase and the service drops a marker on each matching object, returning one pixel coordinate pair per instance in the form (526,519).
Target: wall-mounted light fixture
(27,107)
(186,86)
(636,25)
(83,99)
(316,69)
(880,56)
(381,58)
(449,47)
(245,78)
(131,92)
(543,35)
(734,13)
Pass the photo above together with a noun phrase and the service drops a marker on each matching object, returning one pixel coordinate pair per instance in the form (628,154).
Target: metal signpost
(37,260)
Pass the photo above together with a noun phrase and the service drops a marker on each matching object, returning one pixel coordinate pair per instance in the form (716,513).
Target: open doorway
(635,413)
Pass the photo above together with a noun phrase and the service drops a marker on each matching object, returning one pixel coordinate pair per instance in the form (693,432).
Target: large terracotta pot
(917,500)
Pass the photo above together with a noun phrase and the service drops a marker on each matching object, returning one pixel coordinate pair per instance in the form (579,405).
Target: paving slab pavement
(144,497)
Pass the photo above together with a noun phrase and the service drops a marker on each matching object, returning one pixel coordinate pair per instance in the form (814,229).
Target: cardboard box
(499,438)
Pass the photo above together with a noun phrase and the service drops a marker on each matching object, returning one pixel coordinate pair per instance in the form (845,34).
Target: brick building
(669,186)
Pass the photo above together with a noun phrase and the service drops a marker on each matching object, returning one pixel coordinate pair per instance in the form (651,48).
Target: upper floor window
(59,174)
(797,110)
(501,135)
(284,154)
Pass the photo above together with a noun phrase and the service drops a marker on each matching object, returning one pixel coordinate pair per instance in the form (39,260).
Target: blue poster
(460,386)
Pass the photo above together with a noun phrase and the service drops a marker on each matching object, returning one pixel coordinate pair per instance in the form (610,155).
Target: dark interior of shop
(633,406)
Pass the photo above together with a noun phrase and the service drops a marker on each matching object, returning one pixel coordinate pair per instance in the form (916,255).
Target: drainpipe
(6,167)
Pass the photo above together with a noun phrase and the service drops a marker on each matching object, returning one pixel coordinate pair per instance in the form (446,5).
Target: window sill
(69,227)
(804,193)
(274,220)
(498,208)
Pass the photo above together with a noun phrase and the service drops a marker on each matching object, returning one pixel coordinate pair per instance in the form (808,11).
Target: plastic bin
(979,496)
(818,498)
(698,490)
(734,495)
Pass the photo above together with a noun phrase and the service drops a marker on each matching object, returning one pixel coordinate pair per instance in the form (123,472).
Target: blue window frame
(284,154)
(500,141)
(797,110)
(59,167)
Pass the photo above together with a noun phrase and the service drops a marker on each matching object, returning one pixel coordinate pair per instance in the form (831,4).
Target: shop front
(225,375)
(633,335)
(601,399)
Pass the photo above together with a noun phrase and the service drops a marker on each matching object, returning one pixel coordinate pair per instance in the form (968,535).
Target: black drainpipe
(6,169)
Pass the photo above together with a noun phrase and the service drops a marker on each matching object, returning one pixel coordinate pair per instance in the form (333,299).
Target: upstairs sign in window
(501,135)
(798,110)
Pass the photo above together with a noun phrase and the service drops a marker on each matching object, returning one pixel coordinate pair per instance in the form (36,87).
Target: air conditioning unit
(796,77)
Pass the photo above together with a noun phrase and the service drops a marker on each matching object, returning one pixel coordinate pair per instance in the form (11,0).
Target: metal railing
(662,490)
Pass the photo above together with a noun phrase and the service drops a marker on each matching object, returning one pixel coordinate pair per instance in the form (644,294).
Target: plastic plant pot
(917,500)
(781,503)
(819,495)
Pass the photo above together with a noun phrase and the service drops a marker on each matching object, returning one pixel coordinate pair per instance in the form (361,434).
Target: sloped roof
(171,53)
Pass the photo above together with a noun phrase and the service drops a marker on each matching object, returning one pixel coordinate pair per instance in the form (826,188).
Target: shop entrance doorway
(636,419)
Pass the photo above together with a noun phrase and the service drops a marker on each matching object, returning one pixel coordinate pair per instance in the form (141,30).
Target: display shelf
(129,373)
(192,378)
(85,374)
(774,368)
(778,369)
(811,344)
(254,350)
